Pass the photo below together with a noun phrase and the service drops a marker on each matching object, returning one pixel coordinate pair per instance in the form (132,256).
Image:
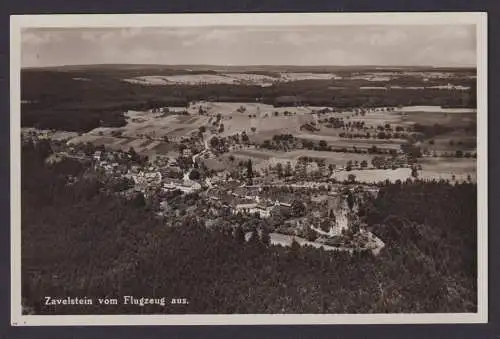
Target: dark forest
(80,239)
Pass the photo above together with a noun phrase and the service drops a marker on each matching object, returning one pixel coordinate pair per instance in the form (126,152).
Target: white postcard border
(18,22)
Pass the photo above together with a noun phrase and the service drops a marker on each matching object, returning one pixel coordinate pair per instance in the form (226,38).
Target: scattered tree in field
(414,172)
(350,200)
(244,137)
(194,174)
(239,235)
(139,201)
(298,208)
(279,169)
(325,225)
(411,150)
(265,237)
(311,234)
(249,169)
(288,169)
(214,142)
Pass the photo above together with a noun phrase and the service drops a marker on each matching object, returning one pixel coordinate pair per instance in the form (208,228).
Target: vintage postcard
(186,169)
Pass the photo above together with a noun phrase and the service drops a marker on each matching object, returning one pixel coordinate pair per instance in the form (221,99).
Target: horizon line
(246,65)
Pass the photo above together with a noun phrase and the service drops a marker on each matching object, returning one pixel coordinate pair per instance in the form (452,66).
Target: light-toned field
(265,121)
(461,141)
(265,158)
(141,145)
(308,76)
(373,88)
(155,125)
(229,108)
(417,114)
(432,168)
(375,175)
(374,77)
(449,165)
(337,142)
(436,109)
(227,78)
(257,154)
(54,135)
(286,241)
(193,79)
(145,132)
(455,87)
(335,158)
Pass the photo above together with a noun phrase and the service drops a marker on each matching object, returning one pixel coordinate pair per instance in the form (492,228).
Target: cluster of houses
(109,162)
(241,200)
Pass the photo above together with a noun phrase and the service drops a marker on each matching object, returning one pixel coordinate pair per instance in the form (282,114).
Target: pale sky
(423,45)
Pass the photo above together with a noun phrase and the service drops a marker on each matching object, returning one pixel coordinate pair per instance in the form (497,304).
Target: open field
(337,142)
(453,141)
(308,76)
(460,117)
(330,157)
(228,78)
(235,78)
(449,165)
(265,122)
(145,131)
(437,109)
(150,125)
(54,135)
(432,168)
(145,146)
(257,154)
(264,158)
(195,79)
(86,97)
(454,120)
(286,240)
(259,109)
(449,86)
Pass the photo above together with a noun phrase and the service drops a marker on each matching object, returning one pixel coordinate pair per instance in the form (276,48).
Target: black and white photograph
(249,169)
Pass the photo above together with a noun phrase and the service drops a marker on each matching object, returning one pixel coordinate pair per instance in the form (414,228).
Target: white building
(185,187)
(97,155)
(147,178)
(253,208)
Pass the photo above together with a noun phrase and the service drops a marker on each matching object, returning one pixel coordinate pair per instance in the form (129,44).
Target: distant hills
(249,68)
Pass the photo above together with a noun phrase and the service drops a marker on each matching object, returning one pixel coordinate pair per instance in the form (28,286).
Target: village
(296,208)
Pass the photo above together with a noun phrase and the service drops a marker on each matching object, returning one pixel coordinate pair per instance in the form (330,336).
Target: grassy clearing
(375,175)
(256,154)
(432,168)
(337,158)
(264,158)
(163,148)
(449,165)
